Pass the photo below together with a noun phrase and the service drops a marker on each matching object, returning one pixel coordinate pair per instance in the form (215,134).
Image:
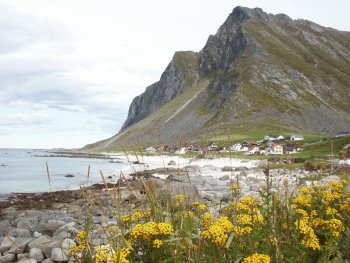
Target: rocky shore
(42,227)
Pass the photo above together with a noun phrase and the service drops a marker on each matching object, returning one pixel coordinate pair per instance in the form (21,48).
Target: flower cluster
(151,230)
(218,231)
(257,258)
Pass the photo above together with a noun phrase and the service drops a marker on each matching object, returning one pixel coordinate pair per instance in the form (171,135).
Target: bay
(24,171)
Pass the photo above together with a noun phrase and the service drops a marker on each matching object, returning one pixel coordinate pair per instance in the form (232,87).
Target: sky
(69,69)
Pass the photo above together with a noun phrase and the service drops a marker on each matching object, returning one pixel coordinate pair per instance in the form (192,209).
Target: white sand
(161,161)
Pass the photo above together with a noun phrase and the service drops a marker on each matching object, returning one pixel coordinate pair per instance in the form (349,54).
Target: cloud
(25,119)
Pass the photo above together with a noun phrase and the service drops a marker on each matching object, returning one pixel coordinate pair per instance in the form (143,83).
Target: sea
(25,171)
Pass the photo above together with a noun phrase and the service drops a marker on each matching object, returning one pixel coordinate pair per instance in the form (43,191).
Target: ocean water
(24,171)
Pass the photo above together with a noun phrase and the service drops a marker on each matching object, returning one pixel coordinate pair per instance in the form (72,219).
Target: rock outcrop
(258,71)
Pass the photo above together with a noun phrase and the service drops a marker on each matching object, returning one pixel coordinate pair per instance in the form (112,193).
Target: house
(292,148)
(342,134)
(238,147)
(296,137)
(150,150)
(275,149)
(212,146)
(181,150)
(252,150)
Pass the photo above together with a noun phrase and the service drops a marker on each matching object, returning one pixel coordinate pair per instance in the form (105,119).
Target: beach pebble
(19,246)
(28,223)
(172,162)
(7,258)
(37,254)
(26,260)
(227,169)
(48,260)
(224,177)
(7,243)
(19,232)
(5,225)
(59,255)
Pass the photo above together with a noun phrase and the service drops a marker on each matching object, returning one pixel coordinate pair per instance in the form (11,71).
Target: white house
(296,137)
(252,150)
(150,150)
(181,150)
(237,147)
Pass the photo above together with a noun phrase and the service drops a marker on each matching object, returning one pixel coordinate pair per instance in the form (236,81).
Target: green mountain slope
(258,72)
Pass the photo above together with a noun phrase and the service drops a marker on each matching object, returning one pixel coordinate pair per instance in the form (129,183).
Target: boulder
(7,258)
(37,254)
(224,178)
(5,226)
(48,260)
(28,223)
(171,162)
(68,243)
(26,260)
(227,169)
(7,243)
(20,245)
(59,255)
(209,169)
(19,232)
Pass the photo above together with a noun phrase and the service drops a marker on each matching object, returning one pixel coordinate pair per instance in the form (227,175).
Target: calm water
(21,171)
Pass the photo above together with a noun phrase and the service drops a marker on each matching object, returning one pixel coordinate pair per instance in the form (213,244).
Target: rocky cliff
(259,71)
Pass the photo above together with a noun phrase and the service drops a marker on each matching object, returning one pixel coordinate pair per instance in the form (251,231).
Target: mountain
(258,72)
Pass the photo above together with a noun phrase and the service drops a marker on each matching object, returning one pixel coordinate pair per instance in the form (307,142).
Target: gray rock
(37,254)
(22,255)
(227,169)
(53,225)
(28,223)
(7,243)
(209,169)
(45,243)
(37,234)
(48,260)
(241,168)
(19,232)
(172,162)
(59,255)
(224,178)
(5,226)
(68,243)
(20,245)
(7,258)
(26,260)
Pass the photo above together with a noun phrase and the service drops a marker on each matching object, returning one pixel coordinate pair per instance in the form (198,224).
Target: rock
(227,169)
(26,260)
(59,255)
(22,255)
(192,169)
(241,168)
(5,225)
(53,224)
(45,243)
(68,243)
(37,234)
(224,178)
(20,245)
(37,254)
(19,232)
(48,260)
(178,178)
(172,162)
(28,223)
(7,243)
(209,169)
(69,175)
(7,258)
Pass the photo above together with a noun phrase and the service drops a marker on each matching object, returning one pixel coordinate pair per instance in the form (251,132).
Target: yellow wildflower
(257,258)
(157,243)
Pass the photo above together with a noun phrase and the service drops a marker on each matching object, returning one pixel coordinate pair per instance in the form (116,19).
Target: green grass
(324,147)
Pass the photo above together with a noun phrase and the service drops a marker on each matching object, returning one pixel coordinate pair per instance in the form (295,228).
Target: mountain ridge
(258,71)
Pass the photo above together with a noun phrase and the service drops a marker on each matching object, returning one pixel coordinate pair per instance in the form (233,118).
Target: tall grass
(307,225)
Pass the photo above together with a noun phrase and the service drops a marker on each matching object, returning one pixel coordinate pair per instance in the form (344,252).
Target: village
(269,145)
